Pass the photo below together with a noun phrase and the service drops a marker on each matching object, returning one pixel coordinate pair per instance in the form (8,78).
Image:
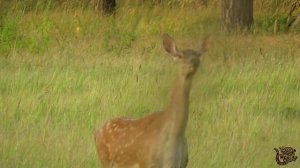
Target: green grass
(244,101)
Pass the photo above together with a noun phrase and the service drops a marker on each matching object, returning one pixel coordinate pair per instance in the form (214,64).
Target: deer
(157,140)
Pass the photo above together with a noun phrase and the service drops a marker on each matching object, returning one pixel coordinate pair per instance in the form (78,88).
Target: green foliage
(117,37)
(42,39)
(269,25)
(11,39)
(9,34)
(118,33)
(42,5)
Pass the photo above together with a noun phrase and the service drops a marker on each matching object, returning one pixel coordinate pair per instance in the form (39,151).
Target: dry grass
(244,102)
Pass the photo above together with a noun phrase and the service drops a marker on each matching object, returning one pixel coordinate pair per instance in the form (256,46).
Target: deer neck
(178,108)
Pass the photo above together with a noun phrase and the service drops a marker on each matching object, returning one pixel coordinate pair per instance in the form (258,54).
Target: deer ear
(170,46)
(205,44)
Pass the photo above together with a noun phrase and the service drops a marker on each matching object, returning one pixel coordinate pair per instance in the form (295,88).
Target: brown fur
(156,140)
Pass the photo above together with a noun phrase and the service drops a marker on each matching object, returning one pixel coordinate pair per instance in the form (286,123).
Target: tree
(237,14)
(107,7)
(293,22)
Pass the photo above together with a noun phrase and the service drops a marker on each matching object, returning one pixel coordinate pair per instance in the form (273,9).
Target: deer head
(189,59)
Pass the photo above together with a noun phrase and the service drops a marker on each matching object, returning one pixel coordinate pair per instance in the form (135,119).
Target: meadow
(63,73)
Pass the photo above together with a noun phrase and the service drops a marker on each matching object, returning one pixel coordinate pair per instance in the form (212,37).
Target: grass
(244,101)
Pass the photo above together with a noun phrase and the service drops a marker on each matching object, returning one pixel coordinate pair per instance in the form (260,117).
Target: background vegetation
(65,70)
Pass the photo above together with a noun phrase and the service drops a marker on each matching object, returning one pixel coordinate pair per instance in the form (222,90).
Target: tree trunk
(296,22)
(108,7)
(237,14)
(291,23)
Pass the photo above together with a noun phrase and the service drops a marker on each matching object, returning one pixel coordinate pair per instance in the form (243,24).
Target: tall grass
(76,70)
(34,26)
